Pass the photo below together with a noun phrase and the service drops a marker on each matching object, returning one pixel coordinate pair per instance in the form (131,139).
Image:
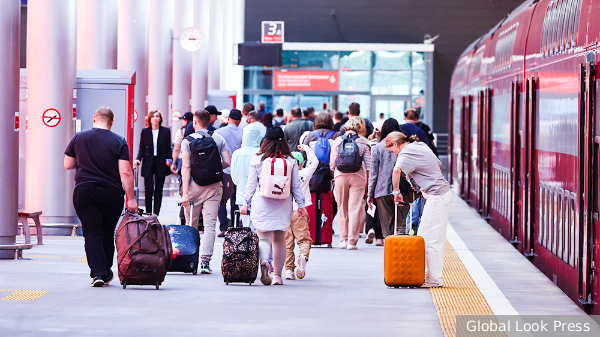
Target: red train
(525,138)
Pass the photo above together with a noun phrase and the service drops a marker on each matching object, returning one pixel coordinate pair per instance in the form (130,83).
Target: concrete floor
(343,294)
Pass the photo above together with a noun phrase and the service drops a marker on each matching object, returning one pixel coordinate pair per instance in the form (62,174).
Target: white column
(239,9)
(10,21)
(227,46)
(182,61)
(160,58)
(215,35)
(200,57)
(97,34)
(51,55)
(133,55)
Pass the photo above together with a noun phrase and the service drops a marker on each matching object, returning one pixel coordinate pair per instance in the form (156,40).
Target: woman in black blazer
(154,154)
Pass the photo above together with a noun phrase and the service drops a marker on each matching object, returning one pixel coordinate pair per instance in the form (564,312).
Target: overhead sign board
(271,32)
(306,80)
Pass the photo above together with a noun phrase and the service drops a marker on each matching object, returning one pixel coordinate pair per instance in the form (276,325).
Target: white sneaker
(289,274)
(379,242)
(277,281)
(352,247)
(342,244)
(301,270)
(370,236)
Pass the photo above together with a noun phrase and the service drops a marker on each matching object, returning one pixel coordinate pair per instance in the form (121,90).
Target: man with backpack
(321,141)
(296,128)
(204,156)
(354,111)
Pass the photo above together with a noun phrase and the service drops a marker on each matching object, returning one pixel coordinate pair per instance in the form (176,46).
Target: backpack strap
(317,134)
(273,164)
(329,134)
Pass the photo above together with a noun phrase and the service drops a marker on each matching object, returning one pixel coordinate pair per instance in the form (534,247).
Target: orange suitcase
(403,259)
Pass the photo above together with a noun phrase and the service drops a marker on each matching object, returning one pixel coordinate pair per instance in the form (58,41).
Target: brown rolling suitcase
(144,251)
(403,258)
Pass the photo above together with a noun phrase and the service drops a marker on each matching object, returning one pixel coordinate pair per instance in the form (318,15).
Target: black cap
(188,116)
(212,110)
(235,114)
(275,133)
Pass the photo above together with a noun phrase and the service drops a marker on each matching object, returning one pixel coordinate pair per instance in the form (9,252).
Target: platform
(48,294)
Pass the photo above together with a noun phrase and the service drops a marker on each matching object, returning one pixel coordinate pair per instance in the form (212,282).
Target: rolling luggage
(185,242)
(320,218)
(144,251)
(403,258)
(240,254)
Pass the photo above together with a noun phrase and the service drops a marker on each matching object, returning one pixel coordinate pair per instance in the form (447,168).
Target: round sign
(51,118)
(176,115)
(135,115)
(191,39)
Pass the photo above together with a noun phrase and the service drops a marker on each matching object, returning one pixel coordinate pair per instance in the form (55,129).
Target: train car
(525,140)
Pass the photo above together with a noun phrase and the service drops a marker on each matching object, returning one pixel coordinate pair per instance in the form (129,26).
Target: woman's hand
(244,210)
(370,202)
(302,212)
(185,200)
(136,163)
(398,198)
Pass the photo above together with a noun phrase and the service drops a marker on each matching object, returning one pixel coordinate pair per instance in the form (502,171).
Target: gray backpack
(349,159)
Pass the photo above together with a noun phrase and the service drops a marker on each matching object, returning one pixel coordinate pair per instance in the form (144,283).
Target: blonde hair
(356,124)
(399,138)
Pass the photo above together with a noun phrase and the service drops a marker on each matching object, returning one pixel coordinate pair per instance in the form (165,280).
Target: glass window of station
(381,81)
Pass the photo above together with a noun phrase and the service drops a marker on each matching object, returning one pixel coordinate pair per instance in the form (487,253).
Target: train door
(515,155)
(486,178)
(463,148)
(466,148)
(529,167)
(480,151)
(451,143)
(588,175)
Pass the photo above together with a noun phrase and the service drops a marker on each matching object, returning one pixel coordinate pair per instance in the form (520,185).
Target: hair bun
(413,138)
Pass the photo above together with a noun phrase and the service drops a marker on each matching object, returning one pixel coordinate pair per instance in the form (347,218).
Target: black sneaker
(108,278)
(97,282)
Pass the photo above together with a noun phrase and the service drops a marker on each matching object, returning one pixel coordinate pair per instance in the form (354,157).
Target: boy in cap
(299,229)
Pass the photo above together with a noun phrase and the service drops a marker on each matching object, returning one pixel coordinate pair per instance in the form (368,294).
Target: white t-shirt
(155,140)
(178,137)
(417,160)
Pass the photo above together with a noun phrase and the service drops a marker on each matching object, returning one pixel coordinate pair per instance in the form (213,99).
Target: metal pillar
(51,76)
(133,55)
(97,34)
(200,57)
(160,58)
(215,35)
(227,46)
(10,21)
(239,10)
(182,61)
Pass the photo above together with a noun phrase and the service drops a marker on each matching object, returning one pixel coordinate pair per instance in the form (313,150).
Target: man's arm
(185,177)
(70,163)
(127,181)
(226,162)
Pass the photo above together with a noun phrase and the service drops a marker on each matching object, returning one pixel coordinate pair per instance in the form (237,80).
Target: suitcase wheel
(329,245)
(157,285)
(226,283)
(195,271)
(124,284)
(396,287)
(194,268)
(250,283)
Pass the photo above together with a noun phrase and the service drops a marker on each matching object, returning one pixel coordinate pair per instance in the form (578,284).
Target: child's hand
(301,147)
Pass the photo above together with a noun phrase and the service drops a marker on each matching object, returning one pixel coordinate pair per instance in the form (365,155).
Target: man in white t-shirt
(206,199)
(187,118)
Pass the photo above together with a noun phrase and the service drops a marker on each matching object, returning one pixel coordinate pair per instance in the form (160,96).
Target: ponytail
(413,139)
(399,138)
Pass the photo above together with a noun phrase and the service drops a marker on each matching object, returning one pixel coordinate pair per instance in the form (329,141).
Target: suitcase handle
(191,213)
(236,218)
(396,204)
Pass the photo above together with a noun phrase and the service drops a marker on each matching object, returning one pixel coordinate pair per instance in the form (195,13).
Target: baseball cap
(275,133)
(235,114)
(212,110)
(188,116)
(299,157)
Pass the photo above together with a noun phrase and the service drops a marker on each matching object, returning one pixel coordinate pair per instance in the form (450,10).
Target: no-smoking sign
(51,118)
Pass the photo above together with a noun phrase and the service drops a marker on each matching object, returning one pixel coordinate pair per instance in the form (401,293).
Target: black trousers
(223,221)
(373,222)
(154,187)
(99,207)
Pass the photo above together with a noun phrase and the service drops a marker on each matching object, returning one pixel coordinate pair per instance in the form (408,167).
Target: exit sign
(271,32)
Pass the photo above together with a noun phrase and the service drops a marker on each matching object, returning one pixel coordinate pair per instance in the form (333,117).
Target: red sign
(51,118)
(135,115)
(16,121)
(306,80)
(176,115)
(74,111)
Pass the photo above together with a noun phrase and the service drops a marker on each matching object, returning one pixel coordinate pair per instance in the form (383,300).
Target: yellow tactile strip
(23,295)
(41,259)
(458,296)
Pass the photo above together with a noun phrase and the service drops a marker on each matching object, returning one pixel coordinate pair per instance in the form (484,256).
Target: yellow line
(459,295)
(23,295)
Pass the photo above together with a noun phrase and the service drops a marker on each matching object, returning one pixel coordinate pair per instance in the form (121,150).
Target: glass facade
(385,82)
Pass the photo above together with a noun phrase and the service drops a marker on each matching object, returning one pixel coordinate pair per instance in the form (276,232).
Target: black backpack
(349,159)
(205,160)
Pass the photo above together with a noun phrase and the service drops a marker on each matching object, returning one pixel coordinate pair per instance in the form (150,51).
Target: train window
(541,216)
(559,225)
(554,219)
(566,223)
(574,230)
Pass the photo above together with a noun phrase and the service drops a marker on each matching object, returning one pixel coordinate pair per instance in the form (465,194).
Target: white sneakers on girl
(352,247)
(277,281)
(289,274)
(264,273)
(343,244)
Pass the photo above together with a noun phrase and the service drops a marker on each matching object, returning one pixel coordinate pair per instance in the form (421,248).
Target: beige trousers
(299,231)
(207,200)
(349,195)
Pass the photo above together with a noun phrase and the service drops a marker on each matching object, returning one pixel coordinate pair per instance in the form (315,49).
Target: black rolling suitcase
(186,246)
(240,254)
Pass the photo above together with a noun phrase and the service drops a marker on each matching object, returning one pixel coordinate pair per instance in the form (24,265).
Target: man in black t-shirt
(102,177)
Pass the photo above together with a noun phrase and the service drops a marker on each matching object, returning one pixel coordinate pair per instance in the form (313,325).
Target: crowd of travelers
(366,165)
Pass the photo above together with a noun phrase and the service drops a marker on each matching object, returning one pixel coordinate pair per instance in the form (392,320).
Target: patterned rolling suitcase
(240,254)
(321,217)
(403,258)
(185,241)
